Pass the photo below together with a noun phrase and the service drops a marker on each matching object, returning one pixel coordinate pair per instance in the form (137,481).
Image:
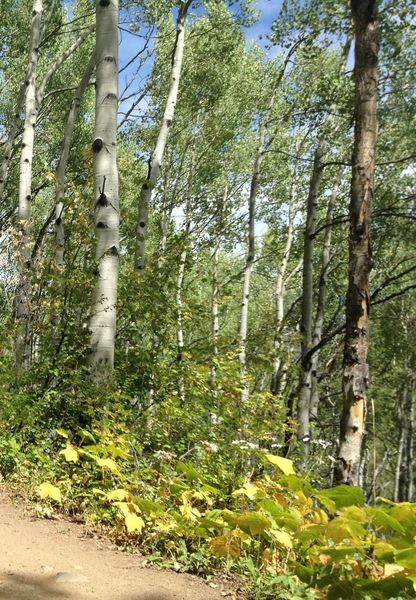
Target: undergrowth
(286,538)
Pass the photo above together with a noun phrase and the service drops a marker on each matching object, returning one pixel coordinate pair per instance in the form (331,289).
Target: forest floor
(54,559)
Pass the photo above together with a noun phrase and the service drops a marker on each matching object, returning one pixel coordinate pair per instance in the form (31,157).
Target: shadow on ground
(30,587)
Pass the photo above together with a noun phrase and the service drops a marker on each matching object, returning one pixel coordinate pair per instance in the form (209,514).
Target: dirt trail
(44,559)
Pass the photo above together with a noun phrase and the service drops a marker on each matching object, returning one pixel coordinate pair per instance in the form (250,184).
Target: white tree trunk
(304,433)
(23,342)
(321,303)
(411,443)
(157,157)
(248,267)
(279,369)
(215,322)
(63,161)
(11,139)
(106,192)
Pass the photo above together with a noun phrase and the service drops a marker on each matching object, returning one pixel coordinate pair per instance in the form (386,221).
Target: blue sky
(129,46)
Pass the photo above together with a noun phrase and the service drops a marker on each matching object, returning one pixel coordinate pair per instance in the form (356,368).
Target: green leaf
(253,522)
(284,464)
(340,529)
(86,435)
(381,518)
(406,558)
(272,507)
(339,497)
(47,490)
(149,507)
(188,470)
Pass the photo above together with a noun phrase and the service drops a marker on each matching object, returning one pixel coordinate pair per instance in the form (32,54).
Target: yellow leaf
(123,507)
(107,463)
(118,494)
(248,490)
(284,464)
(47,490)
(70,453)
(282,537)
(133,522)
(62,433)
(391,569)
(223,546)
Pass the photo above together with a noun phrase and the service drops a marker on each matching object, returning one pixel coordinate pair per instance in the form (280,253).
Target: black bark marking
(97,145)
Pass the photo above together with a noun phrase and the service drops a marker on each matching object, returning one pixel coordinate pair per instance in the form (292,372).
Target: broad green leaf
(149,507)
(253,522)
(284,464)
(272,507)
(117,452)
(134,522)
(47,490)
(406,558)
(87,435)
(340,497)
(380,517)
(188,470)
(340,529)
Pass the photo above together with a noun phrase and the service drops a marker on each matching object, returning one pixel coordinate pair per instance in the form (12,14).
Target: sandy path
(43,559)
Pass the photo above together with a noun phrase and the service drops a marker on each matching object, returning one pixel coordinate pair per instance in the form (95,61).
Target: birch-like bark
(306,322)
(106,192)
(23,341)
(157,156)
(355,372)
(63,161)
(307,298)
(9,145)
(248,267)
(279,366)
(399,478)
(411,442)
(215,321)
(321,303)
(179,304)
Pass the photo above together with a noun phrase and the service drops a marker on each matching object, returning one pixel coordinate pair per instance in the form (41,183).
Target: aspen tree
(215,321)
(106,192)
(278,372)
(355,368)
(63,161)
(249,262)
(157,156)
(23,342)
(306,321)
(321,301)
